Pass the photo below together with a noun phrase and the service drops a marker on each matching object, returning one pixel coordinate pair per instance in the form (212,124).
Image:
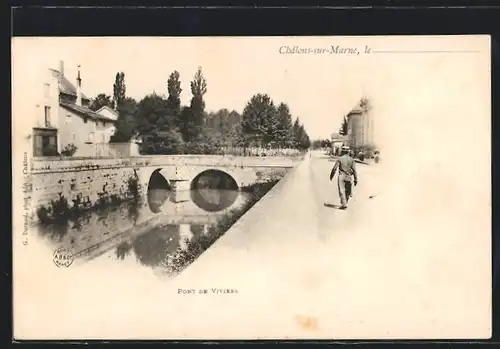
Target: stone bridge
(185,168)
(91,179)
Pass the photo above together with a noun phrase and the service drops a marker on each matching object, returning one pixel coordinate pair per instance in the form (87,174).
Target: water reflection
(160,232)
(197,230)
(152,248)
(151,232)
(156,199)
(213,200)
(208,200)
(123,249)
(214,190)
(159,191)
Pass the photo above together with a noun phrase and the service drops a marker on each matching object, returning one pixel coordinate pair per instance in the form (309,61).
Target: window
(73,136)
(91,137)
(47,116)
(85,119)
(45,143)
(47,90)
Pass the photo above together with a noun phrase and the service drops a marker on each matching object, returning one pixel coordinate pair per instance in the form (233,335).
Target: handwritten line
(425,51)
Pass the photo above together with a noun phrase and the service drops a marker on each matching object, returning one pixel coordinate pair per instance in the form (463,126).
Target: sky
(318,88)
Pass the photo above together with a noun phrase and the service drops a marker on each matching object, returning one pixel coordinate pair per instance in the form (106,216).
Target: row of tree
(321,143)
(167,127)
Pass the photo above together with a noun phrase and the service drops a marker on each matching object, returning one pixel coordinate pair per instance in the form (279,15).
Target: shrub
(165,143)
(43,213)
(133,187)
(69,150)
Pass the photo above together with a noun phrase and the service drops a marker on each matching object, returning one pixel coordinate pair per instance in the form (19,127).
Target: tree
(284,132)
(234,118)
(365,104)
(119,89)
(326,143)
(344,127)
(101,100)
(321,143)
(219,126)
(154,115)
(237,136)
(203,144)
(217,122)
(126,124)
(174,95)
(303,139)
(296,133)
(192,120)
(162,142)
(272,128)
(259,120)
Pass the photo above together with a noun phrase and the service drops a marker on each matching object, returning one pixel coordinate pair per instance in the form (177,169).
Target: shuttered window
(44,142)
(47,116)
(37,144)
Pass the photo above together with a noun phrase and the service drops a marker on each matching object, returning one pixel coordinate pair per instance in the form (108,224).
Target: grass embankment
(198,245)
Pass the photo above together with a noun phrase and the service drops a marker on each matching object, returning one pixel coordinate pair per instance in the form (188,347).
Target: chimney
(61,68)
(79,89)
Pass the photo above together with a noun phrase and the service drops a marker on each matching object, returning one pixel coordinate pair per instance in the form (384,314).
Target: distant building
(360,125)
(64,117)
(81,126)
(108,112)
(337,141)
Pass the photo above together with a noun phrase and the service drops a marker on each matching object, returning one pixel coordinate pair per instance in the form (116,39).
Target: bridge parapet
(62,164)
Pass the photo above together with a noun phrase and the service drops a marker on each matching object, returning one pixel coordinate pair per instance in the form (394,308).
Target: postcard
(251,187)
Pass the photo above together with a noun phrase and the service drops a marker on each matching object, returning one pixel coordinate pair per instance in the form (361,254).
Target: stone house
(64,117)
(360,126)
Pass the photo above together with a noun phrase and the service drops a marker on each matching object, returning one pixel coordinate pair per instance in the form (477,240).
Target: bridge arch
(214,178)
(214,190)
(158,189)
(159,180)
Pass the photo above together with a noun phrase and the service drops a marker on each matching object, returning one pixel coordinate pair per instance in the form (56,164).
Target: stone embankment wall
(80,182)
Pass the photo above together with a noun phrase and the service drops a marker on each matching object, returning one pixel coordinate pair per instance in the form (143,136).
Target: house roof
(65,86)
(85,112)
(356,110)
(111,110)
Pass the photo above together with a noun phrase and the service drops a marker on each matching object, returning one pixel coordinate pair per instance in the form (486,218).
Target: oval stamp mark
(63,257)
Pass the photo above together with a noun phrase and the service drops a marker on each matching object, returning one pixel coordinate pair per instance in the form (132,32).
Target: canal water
(165,230)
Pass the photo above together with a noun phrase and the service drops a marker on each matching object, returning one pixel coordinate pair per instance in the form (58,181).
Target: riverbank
(199,244)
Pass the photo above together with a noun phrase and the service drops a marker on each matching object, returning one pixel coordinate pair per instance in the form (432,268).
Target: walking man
(347,172)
